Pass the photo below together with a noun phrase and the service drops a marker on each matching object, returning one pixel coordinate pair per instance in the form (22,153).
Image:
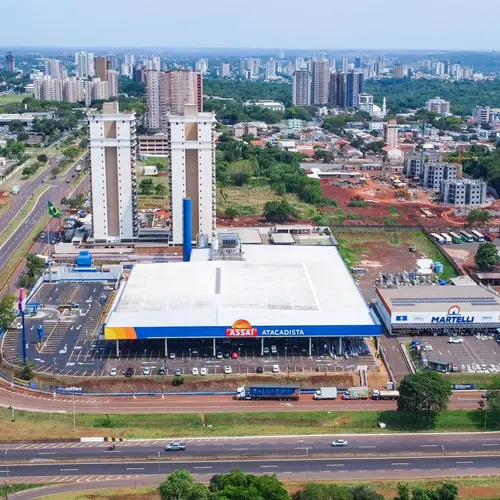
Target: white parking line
(263,466)
(202,467)
(135,468)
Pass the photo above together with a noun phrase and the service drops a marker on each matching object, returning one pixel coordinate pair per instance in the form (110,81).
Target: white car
(113,372)
(203,371)
(276,369)
(428,347)
(274,349)
(455,340)
(195,371)
(146,371)
(339,442)
(227,370)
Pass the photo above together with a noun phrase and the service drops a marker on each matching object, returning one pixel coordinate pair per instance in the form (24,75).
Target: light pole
(74,414)
(307,463)
(162,386)
(442,463)
(190,361)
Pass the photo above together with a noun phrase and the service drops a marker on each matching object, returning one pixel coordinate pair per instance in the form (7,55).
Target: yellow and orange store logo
(241,328)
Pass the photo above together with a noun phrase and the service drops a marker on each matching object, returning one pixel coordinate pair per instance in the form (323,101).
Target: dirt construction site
(383,202)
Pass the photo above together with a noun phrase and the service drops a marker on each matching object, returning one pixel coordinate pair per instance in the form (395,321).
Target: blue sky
(313,24)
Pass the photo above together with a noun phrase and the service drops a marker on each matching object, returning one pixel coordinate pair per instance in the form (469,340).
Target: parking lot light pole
(162,386)
(190,360)
(74,413)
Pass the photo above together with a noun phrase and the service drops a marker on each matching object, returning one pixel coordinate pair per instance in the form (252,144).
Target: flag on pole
(54,211)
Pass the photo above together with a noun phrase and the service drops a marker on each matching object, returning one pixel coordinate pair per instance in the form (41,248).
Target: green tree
(8,311)
(84,143)
(27,370)
(334,124)
(240,172)
(42,158)
(425,392)
(34,264)
(161,190)
(315,491)
(180,485)
(486,256)
(279,211)
(146,187)
(16,126)
(477,217)
(311,192)
(72,152)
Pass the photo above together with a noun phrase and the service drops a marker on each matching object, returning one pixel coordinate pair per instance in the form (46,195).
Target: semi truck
(326,393)
(356,393)
(268,392)
(376,394)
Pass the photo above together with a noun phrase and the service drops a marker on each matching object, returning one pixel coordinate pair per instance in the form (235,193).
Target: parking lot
(476,354)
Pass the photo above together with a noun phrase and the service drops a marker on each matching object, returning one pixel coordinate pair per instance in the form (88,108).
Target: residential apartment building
(113,175)
(481,114)
(153,145)
(391,131)
(432,175)
(168,92)
(320,81)
(302,88)
(225,70)
(84,62)
(416,160)
(463,192)
(47,88)
(338,89)
(271,69)
(365,103)
(192,170)
(55,69)
(113,77)
(10,62)
(202,65)
(355,85)
(399,71)
(101,68)
(438,105)
(73,90)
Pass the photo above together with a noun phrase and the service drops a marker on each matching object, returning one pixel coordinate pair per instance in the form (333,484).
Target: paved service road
(198,448)
(334,466)
(33,401)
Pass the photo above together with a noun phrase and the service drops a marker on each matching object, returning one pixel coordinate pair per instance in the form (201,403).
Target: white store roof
(274,285)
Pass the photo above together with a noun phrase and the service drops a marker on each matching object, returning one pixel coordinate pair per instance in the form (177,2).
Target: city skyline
(391,27)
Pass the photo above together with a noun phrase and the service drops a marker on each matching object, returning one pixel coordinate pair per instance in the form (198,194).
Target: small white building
(271,105)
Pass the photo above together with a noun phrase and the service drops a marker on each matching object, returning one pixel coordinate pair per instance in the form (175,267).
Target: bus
(446,238)
(477,235)
(438,238)
(456,238)
(466,236)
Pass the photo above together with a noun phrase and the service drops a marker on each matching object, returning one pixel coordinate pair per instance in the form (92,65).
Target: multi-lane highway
(36,401)
(252,447)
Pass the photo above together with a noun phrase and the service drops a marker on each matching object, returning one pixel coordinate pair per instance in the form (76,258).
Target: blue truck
(268,392)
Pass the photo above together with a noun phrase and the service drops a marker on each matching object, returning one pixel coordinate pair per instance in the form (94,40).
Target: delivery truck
(268,392)
(326,393)
(356,393)
(376,394)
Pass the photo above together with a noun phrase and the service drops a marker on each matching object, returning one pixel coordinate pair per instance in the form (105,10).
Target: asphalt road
(284,446)
(32,401)
(336,467)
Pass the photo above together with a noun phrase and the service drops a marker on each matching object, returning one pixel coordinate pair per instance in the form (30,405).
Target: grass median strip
(30,425)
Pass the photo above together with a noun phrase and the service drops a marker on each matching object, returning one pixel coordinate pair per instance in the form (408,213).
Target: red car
(234,355)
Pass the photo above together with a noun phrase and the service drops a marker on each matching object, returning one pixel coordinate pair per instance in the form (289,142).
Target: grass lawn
(152,201)
(30,425)
(7,489)
(480,380)
(10,98)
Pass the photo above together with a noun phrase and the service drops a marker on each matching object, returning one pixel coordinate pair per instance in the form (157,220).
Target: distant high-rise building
(337,95)
(381,61)
(365,103)
(332,65)
(270,69)
(354,87)
(399,71)
(438,105)
(302,88)
(55,69)
(345,65)
(73,90)
(10,62)
(113,77)
(47,88)
(192,170)
(320,81)
(256,66)
(202,65)
(156,63)
(391,130)
(440,68)
(168,92)
(84,62)
(225,70)
(481,114)
(113,63)
(300,63)
(358,62)
(138,74)
(101,68)
(113,174)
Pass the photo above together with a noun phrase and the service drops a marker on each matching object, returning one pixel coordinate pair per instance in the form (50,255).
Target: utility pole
(74,414)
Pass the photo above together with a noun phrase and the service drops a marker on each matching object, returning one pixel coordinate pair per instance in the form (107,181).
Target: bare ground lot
(386,252)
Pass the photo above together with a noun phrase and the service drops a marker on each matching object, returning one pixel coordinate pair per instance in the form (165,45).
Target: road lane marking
(263,466)
(135,468)
(67,470)
(489,444)
(367,446)
(428,445)
(465,462)
(400,463)
(239,449)
(46,453)
(335,465)
(202,467)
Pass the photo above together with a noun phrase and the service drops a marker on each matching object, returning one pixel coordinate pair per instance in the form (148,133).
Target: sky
(282,24)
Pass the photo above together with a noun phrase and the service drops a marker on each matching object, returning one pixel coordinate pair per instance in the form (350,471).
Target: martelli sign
(453,316)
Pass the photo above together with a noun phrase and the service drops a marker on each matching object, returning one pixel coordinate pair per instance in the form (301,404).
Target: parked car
(178,372)
(266,350)
(129,372)
(274,349)
(219,355)
(195,371)
(227,370)
(276,369)
(194,352)
(203,371)
(171,355)
(234,355)
(175,447)
(162,370)
(146,371)
(339,442)
(226,354)
(113,372)
(455,340)
(259,369)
